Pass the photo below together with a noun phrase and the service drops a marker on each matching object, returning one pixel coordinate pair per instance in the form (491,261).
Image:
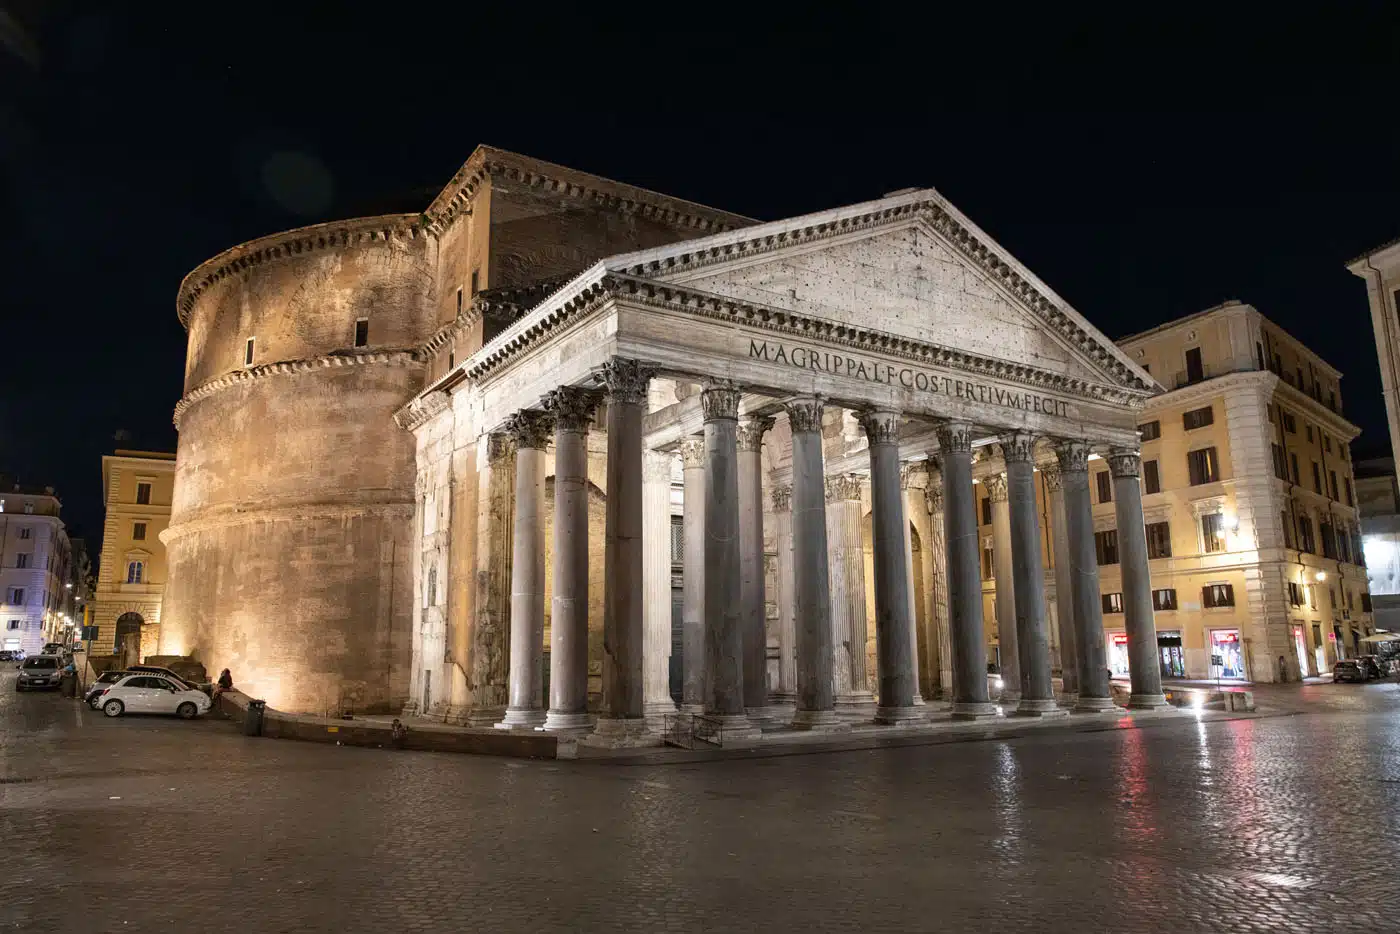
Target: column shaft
(937,562)
(894,631)
(656,568)
(488,655)
(787,635)
(1006,591)
(1064,586)
(526,707)
(693,609)
(568,627)
(749,444)
(906,494)
(1032,635)
(724,643)
(964,574)
(1094,691)
(810,574)
(1143,668)
(849,624)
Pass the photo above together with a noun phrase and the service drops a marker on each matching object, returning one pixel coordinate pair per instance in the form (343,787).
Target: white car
(142,693)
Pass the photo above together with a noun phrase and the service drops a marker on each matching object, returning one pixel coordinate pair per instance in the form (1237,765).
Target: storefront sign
(1120,638)
(890,374)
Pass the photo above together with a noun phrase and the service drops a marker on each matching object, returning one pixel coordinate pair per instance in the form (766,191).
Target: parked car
(1348,669)
(40,671)
(145,693)
(1370,666)
(11,655)
(164,673)
(104,680)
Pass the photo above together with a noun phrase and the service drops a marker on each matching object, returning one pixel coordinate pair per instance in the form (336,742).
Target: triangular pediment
(909,266)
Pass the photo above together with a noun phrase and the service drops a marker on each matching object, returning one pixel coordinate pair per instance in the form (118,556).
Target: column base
(518,719)
(694,710)
(974,710)
(458,715)
(761,716)
(734,727)
(1095,705)
(484,716)
(1009,698)
(1044,708)
(557,721)
(819,721)
(1148,702)
(856,706)
(782,699)
(410,709)
(900,716)
(621,733)
(656,712)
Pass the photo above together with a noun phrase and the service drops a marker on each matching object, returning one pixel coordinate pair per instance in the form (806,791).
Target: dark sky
(1145,168)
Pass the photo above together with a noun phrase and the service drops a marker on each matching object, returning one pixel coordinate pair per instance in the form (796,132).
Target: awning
(1382,637)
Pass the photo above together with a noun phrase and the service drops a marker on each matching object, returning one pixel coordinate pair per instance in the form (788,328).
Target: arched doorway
(128,639)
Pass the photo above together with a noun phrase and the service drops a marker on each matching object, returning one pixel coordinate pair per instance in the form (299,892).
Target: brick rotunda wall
(289,540)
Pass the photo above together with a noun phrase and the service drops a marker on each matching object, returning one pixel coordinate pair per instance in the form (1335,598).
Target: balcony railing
(1188,378)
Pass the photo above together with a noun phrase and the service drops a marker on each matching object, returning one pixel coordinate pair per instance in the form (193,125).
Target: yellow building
(1249,502)
(132,571)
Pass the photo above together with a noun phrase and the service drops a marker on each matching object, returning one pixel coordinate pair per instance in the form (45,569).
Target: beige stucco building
(35,561)
(132,572)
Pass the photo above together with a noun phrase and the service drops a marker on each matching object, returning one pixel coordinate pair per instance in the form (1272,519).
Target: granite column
(1144,671)
(1006,591)
(1064,586)
(525,710)
(753,612)
(693,606)
(787,659)
(1094,692)
(656,571)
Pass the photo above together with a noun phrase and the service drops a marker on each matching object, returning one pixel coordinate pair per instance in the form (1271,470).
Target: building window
(1216,595)
(1309,428)
(29,509)
(430,592)
(1297,475)
(1317,477)
(143,494)
(986,510)
(1346,486)
(1113,603)
(1159,540)
(1366,601)
(1150,431)
(17,596)
(451,359)
(16,624)
(1195,370)
(1280,463)
(1106,546)
(1164,599)
(1105,484)
(1213,533)
(1290,424)
(1295,594)
(1329,540)
(22,560)
(1198,418)
(1305,535)
(248,352)
(134,570)
(1327,442)
(1287,525)
(1332,478)
(1151,478)
(24,532)
(476,282)
(988,560)
(1203,466)
(677,540)
(361,332)
(138,531)
(459,299)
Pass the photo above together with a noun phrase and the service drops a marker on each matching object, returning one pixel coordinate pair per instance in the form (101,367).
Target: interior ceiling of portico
(906,282)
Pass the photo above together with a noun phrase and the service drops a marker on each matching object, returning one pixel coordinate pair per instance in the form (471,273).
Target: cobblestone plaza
(1276,823)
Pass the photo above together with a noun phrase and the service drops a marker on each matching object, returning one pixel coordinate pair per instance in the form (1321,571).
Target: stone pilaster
(910,504)
(964,574)
(753,600)
(787,634)
(693,610)
(849,628)
(489,652)
(1094,692)
(1006,591)
(1032,639)
(573,410)
(937,564)
(530,431)
(656,573)
(724,645)
(1144,670)
(894,631)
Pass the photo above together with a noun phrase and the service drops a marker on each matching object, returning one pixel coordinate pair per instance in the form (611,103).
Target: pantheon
(561,453)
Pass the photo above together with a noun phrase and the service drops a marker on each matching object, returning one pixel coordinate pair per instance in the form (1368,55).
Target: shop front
(1118,653)
(1300,645)
(1226,655)
(1171,654)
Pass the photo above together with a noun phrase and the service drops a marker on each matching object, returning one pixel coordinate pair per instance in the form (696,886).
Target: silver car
(40,672)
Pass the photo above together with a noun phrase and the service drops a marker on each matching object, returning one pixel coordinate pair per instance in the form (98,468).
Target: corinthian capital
(996,488)
(1072,455)
(499,448)
(842,487)
(933,500)
(750,432)
(1053,479)
(530,428)
(804,413)
(720,399)
(880,427)
(572,407)
(782,498)
(626,380)
(1017,446)
(1125,462)
(693,453)
(954,438)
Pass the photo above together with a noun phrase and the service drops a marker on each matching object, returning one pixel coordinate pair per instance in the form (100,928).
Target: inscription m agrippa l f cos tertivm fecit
(912,378)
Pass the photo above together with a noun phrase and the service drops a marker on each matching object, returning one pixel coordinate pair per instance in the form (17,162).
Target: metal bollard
(253,719)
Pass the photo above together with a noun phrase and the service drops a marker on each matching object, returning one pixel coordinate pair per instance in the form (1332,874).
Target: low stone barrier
(1192,698)
(278,724)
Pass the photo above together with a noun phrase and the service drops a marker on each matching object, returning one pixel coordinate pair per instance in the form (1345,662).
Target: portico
(794,373)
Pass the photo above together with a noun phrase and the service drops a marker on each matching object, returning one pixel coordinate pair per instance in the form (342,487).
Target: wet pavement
(1282,823)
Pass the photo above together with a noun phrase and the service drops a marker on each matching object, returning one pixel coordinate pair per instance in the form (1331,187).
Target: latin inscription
(835,364)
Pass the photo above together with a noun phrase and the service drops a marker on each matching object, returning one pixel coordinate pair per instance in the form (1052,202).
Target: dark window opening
(1105,485)
(1151,477)
(1106,546)
(1203,466)
(1214,595)
(1198,418)
(1159,540)
(1164,599)
(362,332)
(1150,431)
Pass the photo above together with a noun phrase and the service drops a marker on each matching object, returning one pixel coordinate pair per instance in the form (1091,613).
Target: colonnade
(822,621)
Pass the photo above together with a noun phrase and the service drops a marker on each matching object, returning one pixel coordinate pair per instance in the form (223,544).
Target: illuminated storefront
(1118,654)
(1226,657)
(1171,654)
(1300,644)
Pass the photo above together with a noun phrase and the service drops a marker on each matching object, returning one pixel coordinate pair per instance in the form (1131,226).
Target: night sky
(1145,169)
